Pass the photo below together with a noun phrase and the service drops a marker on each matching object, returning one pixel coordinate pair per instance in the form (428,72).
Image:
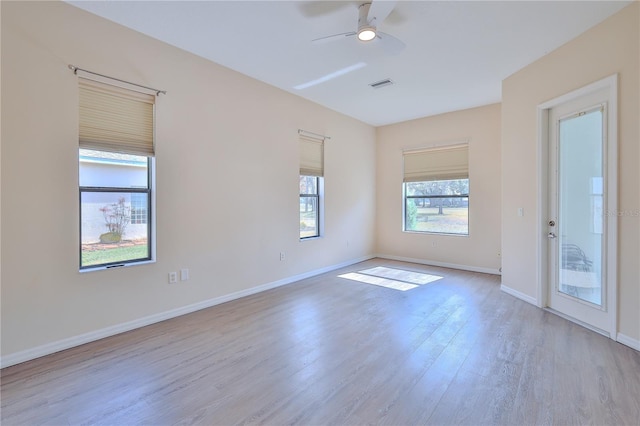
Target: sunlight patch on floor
(397,279)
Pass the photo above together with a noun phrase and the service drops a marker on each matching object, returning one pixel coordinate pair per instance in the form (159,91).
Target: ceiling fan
(370,15)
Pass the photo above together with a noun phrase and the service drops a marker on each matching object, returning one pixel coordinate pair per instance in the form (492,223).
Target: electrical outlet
(184,274)
(282,255)
(173,277)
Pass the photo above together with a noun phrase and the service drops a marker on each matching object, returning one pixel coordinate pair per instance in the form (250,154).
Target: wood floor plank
(328,350)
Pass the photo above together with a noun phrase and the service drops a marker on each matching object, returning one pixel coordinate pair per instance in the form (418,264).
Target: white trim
(607,82)
(320,223)
(60,345)
(610,83)
(154,207)
(542,207)
(628,341)
(519,294)
(577,321)
(123,265)
(441,264)
(612,203)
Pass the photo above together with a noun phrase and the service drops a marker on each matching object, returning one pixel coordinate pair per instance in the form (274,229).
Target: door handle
(551,235)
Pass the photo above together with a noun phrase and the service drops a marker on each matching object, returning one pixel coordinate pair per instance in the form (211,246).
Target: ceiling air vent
(381,83)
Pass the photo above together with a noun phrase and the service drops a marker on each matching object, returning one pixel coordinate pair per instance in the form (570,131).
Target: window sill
(118,266)
(435,233)
(310,238)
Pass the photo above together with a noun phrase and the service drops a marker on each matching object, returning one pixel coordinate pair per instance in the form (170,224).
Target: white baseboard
(628,341)
(519,295)
(60,345)
(441,264)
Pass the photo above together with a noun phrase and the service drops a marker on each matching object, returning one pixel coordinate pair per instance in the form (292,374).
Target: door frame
(543,141)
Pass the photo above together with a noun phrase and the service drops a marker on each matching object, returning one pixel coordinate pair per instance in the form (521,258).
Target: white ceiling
(457,52)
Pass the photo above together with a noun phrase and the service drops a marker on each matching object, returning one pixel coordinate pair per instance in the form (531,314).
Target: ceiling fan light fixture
(366,33)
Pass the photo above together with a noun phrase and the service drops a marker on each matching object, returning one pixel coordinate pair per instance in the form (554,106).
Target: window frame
(318,207)
(406,198)
(149,190)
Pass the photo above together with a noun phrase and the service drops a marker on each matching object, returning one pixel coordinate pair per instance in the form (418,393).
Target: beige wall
(220,136)
(481,128)
(220,133)
(611,47)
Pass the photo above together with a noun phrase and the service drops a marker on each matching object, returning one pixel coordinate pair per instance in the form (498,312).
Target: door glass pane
(580,200)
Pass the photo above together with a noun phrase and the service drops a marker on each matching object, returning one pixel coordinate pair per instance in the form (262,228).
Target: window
(115,175)
(436,190)
(309,203)
(311,175)
(115,198)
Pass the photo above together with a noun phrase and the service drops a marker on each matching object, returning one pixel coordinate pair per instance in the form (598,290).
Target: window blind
(116,119)
(311,156)
(442,163)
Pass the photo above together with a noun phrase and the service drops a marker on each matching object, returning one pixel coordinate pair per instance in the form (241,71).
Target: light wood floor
(328,350)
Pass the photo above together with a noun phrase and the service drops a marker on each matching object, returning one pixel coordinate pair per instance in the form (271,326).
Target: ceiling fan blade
(334,37)
(311,9)
(389,43)
(380,9)
(396,18)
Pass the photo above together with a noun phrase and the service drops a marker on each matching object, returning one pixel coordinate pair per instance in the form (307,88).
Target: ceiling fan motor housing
(364,25)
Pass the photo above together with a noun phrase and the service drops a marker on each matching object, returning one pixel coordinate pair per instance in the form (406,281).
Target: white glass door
(577,231)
